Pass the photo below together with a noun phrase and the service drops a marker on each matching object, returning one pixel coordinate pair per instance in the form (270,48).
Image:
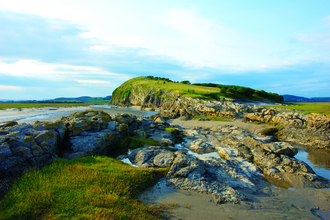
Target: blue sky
(70,48)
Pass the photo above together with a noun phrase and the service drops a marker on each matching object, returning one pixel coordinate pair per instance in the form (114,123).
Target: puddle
(127,161)
(318,159)
(323,214)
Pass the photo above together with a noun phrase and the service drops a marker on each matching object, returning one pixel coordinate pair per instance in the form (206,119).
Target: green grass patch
(84,188)
(172,130)
(178,136)
(179,88)
(133,143)
(213,118)
(307,107)
(272,131)
(40,105)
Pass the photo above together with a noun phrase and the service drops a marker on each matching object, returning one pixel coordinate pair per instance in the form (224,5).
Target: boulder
(86,121)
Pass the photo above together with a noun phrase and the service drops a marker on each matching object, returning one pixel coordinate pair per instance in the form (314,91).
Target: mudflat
(30,115)
(254,128)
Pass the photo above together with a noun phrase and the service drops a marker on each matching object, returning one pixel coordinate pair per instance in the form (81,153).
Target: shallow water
(318,159)
(34,116)
(30,117)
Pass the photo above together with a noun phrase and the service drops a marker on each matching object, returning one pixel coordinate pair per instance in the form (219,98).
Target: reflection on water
(276,183)
(318,159)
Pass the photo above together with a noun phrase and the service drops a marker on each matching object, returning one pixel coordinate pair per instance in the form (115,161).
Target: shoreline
(30,115)
(270,202)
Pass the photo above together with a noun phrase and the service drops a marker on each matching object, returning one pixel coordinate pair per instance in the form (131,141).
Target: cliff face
(150,96)
(136,92)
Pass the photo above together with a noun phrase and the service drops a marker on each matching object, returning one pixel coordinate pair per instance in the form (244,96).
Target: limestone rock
(86,121)
(201,147)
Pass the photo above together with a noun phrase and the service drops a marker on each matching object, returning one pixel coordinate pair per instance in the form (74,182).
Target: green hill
(156,90)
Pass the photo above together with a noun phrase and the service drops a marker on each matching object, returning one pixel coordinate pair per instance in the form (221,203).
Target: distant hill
(78,98)
(292,98)
(158,90)
(84,99)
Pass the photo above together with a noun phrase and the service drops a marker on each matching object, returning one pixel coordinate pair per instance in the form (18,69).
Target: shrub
(185,82)
(270,131)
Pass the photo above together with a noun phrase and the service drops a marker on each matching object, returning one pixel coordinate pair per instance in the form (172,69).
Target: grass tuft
(83,188)
(272,131)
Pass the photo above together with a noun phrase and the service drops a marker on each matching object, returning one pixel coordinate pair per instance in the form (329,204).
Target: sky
(72,48)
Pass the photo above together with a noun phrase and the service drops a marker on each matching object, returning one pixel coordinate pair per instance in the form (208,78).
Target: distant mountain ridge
(63,98)
(84,99)
(293,98)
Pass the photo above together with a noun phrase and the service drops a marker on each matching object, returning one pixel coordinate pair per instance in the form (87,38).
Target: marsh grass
(40,105)
(85,188)
(213,118)
(308,107)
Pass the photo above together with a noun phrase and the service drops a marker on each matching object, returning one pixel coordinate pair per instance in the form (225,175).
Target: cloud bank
(101,44)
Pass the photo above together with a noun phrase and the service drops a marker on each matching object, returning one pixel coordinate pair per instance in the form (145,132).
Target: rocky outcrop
(290,119)
(312,130)
(226,160)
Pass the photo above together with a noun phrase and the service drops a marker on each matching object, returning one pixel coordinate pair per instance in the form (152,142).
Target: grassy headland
(181,89)
(306,107)
(202,90)
(85,188)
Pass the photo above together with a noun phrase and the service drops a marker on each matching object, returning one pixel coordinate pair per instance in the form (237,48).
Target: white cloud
(179,34)
(15,88)
(37,69)
(101,82)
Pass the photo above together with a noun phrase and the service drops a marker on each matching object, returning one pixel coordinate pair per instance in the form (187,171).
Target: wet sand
(255,128)
(268,203)
(30,115)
